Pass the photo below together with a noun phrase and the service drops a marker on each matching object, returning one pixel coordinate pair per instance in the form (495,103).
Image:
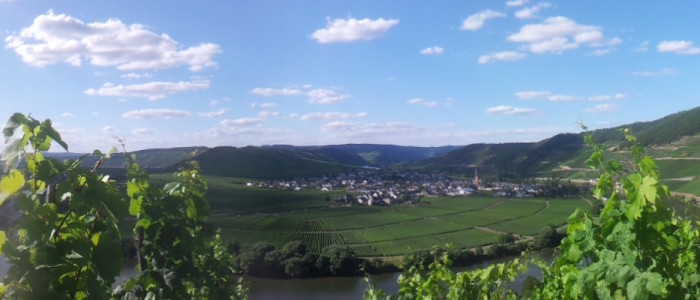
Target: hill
(504,160)
(265,163)
(673,140)
(373,154)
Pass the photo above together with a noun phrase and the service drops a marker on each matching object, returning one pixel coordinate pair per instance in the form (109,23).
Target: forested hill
(372,154)
(504,160)
(674,138)
(658,132)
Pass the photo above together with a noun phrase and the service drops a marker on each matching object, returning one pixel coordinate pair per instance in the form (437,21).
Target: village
(375,187)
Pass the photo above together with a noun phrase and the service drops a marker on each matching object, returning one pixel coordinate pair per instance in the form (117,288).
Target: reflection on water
(329,287)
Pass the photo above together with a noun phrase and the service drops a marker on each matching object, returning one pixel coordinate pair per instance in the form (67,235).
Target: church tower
(476,177)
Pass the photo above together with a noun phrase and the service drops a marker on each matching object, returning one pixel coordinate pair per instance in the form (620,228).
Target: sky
(159,74)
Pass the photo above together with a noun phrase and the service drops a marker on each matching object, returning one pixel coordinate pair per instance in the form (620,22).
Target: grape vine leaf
(11,184)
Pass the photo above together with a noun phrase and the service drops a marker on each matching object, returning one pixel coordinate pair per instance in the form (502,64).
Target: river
(323,288)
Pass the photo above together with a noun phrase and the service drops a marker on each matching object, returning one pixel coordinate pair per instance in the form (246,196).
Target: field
(249,215)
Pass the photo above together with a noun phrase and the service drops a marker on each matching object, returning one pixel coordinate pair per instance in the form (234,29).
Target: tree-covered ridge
(637,248)
(66,245)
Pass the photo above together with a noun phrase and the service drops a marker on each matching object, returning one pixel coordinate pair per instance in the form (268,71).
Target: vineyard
(395,230)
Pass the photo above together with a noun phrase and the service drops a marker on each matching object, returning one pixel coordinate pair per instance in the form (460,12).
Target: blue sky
(184,73)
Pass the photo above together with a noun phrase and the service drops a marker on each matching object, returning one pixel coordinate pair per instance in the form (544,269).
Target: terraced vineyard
(395,230)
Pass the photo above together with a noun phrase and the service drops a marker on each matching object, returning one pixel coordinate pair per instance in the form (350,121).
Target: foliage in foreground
(637,249)
(66,245)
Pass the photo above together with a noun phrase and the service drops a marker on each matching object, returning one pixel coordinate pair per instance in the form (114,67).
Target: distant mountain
(149,158)
(266,163)
(674,140)
(503,160)
(372,154)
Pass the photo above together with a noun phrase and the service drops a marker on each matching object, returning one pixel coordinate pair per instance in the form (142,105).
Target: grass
(250,215)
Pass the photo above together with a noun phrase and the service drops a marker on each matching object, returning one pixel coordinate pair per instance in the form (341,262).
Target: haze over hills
(674,140)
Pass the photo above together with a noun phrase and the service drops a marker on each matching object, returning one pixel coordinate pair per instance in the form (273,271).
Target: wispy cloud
(68,115)
(602,108)
(435,50)
(269,92)
(531,12)
(60,38)
(423,102)
(212,114)
(328,116)
(151,91)
(678,47)
(162,113)
(477,20)
(516,3)
(529,95)
(136,75)
(643,47)
(564,98)
(325,96)
(351,30)
(509,110)
(663,72)
(501,56)
(143,131)
(618,96)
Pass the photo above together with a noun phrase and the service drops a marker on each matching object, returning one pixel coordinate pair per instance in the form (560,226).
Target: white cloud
(435,50)
(325,96)
(531,12)
(213,103)
(678,47)
(501,56)
(212,114)
(563,98)
(602,108)
(558,34)
(477,20)
(367,130)
(663,72)
(143,131)
(108,129)
(265,114)
(151,91)
(241,122)
(600,52)
(515,3)
(509,110)
(268,105)
(351,30)
(136,75)
(68,115)
(60,38)
(618,96)
(423,102)
(163,113)
(328,116)
(269,92)
(643,47)
(529,95)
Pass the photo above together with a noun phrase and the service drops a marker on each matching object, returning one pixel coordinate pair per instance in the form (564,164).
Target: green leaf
(48,129)
(11,184)
(135,206)
(2,240)
(95,238)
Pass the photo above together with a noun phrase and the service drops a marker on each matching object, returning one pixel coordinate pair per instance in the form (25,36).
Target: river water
(323,288)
